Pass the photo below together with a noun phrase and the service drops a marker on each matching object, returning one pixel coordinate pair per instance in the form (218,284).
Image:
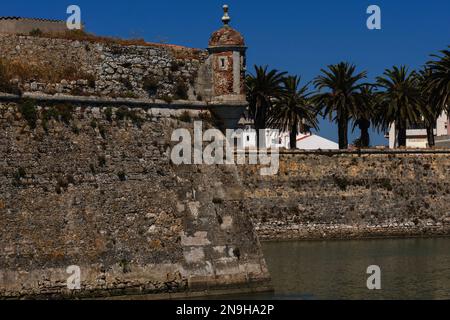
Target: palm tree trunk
(430,136)
(258,140)
(260,122)
(343,132)
(401,134)
(364,126)
(293,137)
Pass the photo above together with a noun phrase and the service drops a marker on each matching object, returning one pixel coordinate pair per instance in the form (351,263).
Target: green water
(410,269)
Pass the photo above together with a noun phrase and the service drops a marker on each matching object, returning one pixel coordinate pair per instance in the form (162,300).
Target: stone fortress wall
(87,68)
(18,25)
(320,195)
(86,178)
(97,189)
(93,186)
(87,183)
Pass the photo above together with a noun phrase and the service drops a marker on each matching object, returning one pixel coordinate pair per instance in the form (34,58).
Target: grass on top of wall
(6,85)
(179,52)
(26,71)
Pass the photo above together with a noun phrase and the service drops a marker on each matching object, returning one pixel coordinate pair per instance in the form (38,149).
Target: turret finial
(226,18)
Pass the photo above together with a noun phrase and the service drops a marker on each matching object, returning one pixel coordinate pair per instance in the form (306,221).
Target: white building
(314,142)
(274,138)
(417,137)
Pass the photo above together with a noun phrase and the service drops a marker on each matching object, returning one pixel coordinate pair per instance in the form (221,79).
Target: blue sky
(299,36)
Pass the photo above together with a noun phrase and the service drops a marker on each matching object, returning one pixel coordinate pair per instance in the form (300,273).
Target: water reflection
(411,269)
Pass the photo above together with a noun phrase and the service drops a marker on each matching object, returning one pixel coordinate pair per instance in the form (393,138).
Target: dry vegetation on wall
(34,63)
(80,35)
(6,85)
(16,70)
(179,52)
(43,114)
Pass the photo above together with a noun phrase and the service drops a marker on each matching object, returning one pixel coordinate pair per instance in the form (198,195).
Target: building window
(223,63)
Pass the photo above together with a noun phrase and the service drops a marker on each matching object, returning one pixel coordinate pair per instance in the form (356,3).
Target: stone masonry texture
(94,187)
(84,68)
(326,196)
(18,25)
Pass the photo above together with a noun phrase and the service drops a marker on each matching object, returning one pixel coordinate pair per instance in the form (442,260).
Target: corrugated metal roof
(33,19)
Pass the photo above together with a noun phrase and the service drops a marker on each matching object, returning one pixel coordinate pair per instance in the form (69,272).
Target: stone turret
(228,65)
(227,50)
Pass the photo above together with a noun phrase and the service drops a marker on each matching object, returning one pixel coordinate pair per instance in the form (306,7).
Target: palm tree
(363,115)
(400,101)
(438,81)
(293,111)
(262,89)
(342,95)
(431,110)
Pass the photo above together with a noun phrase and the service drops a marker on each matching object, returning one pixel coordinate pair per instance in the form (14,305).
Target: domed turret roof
(226,36)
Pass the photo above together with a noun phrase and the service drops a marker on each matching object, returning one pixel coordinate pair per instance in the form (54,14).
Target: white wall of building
(392,136)
(276,139)
(249,139)
(417,138)
(417,142)
(442,125)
